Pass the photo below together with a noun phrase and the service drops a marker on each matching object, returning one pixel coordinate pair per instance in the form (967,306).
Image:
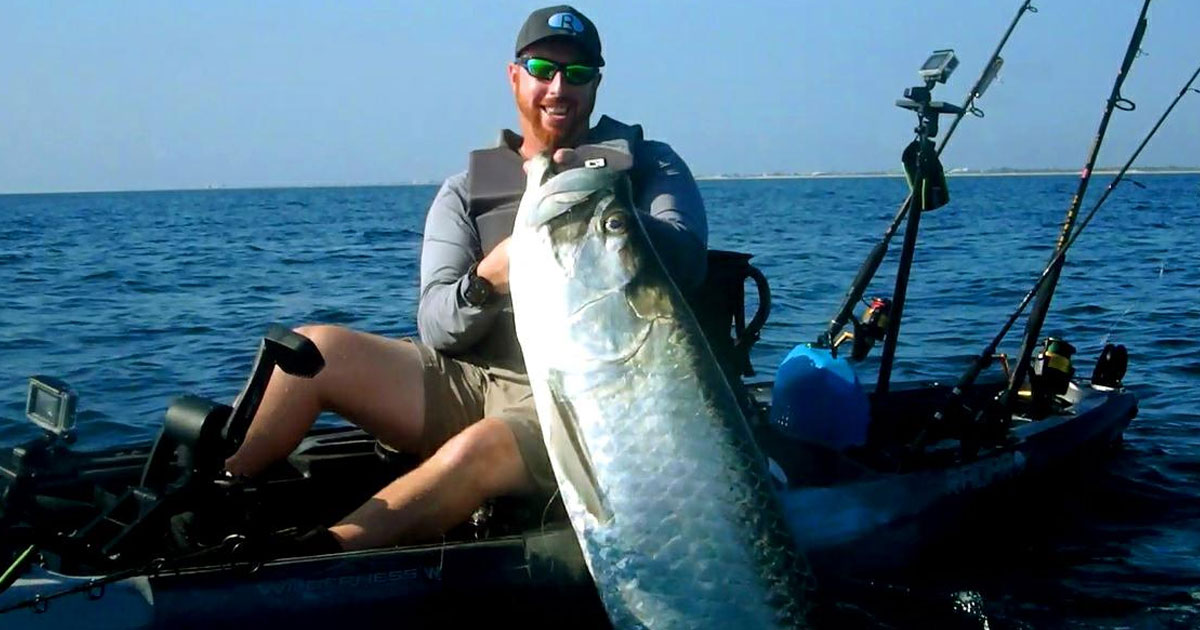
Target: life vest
(496,179)
(495,183)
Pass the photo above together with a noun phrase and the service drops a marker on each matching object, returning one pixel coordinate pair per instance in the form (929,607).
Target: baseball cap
(562,21)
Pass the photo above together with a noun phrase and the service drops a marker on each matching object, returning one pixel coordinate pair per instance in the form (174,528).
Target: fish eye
(614,223)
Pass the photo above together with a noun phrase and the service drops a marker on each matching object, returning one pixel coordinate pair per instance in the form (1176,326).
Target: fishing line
(546,509)
(1108,333)
(871,265)
(985,357)
(546,518)
(1037,315)
(1121,319)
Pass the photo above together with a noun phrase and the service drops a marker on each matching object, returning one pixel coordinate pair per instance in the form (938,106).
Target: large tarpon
(665,487)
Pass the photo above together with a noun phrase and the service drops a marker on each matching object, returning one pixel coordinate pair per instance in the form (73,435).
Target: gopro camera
(939,66)
(51,405)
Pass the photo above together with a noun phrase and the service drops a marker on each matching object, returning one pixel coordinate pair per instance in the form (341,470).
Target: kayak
(98,523)
(155,535)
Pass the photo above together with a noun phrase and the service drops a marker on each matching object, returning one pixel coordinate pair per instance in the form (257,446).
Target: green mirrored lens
(541,68)
(578,75)
(544,70)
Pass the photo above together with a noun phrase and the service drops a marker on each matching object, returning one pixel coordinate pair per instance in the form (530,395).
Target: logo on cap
(566,21)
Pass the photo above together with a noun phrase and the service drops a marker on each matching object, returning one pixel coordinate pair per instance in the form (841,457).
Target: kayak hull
(530,566)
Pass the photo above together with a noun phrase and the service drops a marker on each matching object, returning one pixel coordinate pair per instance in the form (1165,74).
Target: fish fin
(575,462)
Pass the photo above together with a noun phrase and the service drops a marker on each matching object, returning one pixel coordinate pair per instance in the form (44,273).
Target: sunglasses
(544,70)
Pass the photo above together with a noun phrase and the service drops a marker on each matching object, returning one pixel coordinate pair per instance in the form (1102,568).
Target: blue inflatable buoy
(818,398)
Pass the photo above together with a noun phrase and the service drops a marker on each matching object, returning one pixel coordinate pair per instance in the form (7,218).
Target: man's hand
(567,158)
(494,267)
(563,159)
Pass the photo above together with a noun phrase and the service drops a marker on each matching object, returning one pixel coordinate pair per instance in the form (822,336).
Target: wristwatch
(479,289)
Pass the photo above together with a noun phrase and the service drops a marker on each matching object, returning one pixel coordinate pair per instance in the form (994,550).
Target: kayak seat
(719,305)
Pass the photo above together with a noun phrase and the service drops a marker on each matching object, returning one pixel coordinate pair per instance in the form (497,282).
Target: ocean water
(134,298)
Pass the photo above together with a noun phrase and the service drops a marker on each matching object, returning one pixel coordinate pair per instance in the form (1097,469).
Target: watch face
(478,290)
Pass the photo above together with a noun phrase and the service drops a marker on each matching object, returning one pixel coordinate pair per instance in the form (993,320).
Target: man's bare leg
(479,463)
(374,381)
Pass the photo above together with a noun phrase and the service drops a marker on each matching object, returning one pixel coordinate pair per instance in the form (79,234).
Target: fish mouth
(622,358)
(628,351)
(564,191)
(553,207)
(577,313)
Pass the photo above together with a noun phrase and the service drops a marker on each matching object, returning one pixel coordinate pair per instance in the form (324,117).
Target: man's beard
(553,138)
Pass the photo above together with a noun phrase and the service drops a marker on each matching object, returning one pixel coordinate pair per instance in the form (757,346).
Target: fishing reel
(1110,367)
(1054,370)
(868,329)
(1051,374)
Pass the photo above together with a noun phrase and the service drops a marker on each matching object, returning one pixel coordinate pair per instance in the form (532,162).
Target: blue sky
(150,95)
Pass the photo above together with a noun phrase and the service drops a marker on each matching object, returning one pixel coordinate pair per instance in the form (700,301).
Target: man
(460,397)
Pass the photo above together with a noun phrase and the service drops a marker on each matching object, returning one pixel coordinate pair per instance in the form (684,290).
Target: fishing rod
(871,264)
(1037,314)
(954,402)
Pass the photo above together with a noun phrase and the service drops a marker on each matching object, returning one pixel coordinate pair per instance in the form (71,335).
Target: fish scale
(663,483)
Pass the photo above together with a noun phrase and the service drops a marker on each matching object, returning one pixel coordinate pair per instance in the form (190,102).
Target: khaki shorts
(459,393)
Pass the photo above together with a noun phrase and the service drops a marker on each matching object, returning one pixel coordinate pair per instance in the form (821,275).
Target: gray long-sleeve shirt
(664,190)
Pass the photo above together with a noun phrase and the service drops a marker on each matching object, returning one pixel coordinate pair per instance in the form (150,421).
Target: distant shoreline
(701,178)
(1045,173)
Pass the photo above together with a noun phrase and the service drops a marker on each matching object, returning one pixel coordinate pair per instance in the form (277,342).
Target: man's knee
(326,337)
(347,353)
(487,456)
(332,342)
(374,382)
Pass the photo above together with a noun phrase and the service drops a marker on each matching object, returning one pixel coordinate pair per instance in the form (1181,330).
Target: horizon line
(958,172)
